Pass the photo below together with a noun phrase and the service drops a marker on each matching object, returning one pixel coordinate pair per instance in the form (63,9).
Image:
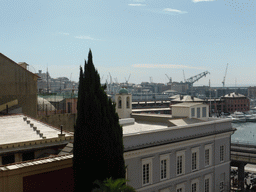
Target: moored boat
(238,117)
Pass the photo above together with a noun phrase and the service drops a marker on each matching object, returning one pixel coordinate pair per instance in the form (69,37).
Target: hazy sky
(147,38)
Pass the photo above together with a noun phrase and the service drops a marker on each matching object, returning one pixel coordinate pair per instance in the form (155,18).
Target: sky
(149,39)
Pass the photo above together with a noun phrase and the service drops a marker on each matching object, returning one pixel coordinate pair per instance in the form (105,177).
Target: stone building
(17,83)
(236,102)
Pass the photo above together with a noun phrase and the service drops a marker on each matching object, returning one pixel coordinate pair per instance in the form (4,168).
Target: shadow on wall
(67,120)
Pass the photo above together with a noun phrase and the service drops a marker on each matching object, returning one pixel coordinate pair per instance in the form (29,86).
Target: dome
(43,104)
(123,91)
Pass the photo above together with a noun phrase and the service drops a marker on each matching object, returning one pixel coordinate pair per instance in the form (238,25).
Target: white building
(187,152)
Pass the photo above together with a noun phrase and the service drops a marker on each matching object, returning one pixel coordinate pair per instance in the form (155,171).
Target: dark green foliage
(110,185)
(98,140)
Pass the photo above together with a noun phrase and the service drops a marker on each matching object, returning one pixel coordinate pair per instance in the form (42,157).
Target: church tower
(123,104)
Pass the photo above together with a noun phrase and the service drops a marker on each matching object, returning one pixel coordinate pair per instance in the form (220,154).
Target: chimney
(23,64)
(61,135)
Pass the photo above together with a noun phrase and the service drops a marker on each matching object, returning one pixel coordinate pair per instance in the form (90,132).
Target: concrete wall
(67,120)
(18,83)
(181,112)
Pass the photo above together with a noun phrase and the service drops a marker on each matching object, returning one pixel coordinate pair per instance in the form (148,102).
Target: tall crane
(223,82)
(126,80)
(195,78)
(169,78)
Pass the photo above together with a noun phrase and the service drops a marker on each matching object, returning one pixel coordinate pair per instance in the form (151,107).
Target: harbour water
(245,133)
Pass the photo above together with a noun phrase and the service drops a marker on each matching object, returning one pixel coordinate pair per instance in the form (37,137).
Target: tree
(110,185)
(98,138)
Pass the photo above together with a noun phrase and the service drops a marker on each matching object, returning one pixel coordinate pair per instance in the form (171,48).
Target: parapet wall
(67,120)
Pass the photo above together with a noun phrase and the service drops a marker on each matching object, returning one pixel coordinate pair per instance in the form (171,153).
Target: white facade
(193,157)
(190,110)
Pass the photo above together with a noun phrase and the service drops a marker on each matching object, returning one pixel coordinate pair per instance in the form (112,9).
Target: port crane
(190,81)
(169,78)
(223,82)
(126,80)
(195,78)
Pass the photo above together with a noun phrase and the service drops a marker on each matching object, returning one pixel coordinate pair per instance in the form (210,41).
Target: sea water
(245,133)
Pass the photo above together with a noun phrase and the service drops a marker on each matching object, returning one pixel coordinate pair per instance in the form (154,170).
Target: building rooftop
(14,129)
(232,95)
(140,127)
(186,104)
(186,98)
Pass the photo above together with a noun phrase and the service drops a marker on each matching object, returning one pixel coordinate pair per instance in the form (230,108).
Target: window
(119,102)
(207,155)
(198,112)
(146,171)
(180,188)
(204,112)
(222,179)
(222,153)
(128,102)
(180,162)
(164,167)
(221,186)
(192,112)
(28,156)
(8,159)
(195,185)
(195,159)
(207,183)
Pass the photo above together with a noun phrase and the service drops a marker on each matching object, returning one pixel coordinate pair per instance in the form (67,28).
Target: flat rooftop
(141,127)
(161,122)
(15,129)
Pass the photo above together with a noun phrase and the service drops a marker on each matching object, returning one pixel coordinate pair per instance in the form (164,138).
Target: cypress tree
(98,139)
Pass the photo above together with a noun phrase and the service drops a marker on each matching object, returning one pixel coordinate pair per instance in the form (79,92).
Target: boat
(250,117)
(238,117)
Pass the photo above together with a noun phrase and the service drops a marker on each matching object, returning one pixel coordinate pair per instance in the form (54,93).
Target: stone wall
(18,83)
(66,119)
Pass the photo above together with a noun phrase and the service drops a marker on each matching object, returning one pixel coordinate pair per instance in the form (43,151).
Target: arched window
(127,102)
(119,102)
